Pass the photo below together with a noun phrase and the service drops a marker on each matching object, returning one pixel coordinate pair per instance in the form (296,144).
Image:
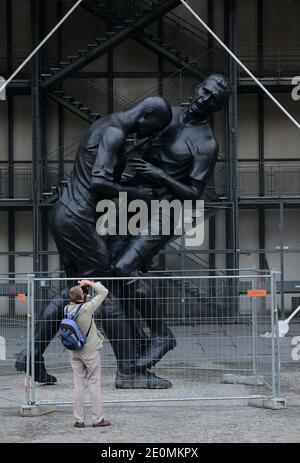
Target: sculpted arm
(111,155)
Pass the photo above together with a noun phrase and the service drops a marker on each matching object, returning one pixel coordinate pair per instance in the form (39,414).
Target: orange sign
(21,297)
(257,292)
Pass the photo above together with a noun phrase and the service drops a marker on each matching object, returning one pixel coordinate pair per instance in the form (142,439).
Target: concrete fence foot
(37,410)
(247,380)
(271,404)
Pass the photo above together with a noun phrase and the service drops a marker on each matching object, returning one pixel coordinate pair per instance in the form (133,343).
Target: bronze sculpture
(179,160)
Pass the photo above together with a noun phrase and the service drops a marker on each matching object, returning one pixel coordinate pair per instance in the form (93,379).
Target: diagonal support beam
(169,56)
(147,43)
(33,53)
(69,106)
(111,43)
(241,64)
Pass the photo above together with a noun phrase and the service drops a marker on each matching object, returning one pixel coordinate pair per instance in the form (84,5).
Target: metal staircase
(102,45)
(146,38)
(121,29)
(75,106)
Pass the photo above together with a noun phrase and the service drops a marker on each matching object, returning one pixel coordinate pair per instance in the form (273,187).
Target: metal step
(129,22)
(64,63)
(55,69)
(82,52)
(67,98)
(101,39)
(46,75)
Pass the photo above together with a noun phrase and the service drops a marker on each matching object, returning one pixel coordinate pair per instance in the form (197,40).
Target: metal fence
(218,322)
(14,337)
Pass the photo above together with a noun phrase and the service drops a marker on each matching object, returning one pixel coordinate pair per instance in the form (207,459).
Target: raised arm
(110,157)
(101,295)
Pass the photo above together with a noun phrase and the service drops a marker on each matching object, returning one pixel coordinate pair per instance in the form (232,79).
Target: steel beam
(111,43)
(167,55)
(83,115)
(36,135)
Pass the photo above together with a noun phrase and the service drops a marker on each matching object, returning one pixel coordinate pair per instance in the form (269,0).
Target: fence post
(275,402)
(254,328)
(32,318)
(28,378)
(275,340)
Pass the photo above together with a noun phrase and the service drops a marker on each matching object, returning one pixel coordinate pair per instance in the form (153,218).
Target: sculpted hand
(147,170)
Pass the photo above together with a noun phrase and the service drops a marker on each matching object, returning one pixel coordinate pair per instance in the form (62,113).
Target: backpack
(69,332)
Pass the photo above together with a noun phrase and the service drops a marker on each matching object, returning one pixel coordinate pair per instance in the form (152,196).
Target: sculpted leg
(46,328)
(142,292)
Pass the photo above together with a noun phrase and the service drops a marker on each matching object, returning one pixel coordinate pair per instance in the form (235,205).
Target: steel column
(281,234)
(261,160)
(36,135)
(260,37)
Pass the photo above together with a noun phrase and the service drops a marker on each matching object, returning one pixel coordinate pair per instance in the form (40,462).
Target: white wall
(4,307)
(247,132)
(23,241)
(3,131)
(3,242)
(282,138)
(22,126)
(53,261)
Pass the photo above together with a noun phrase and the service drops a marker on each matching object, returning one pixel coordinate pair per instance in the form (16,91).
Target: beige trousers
(87,366)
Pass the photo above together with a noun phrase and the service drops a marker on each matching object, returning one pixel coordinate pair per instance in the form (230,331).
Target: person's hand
(144,168)
(86,283)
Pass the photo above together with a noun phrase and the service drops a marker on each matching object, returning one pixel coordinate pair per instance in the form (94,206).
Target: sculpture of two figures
(174,161)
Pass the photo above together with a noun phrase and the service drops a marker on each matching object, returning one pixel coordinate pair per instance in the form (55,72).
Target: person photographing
(85,362)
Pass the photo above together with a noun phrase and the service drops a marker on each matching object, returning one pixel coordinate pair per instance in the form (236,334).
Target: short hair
(222,81)
(75,294)
(152,104)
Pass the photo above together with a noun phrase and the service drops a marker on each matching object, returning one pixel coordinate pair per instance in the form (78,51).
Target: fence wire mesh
(14,337)
(206,337)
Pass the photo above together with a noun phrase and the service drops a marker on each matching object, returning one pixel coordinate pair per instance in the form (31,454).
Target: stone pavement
(196,367)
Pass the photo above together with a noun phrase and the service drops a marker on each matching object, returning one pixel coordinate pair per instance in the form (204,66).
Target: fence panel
(221,349)
(14,338)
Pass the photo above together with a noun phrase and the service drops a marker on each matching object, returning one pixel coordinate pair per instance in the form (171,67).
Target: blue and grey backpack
(69,332)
